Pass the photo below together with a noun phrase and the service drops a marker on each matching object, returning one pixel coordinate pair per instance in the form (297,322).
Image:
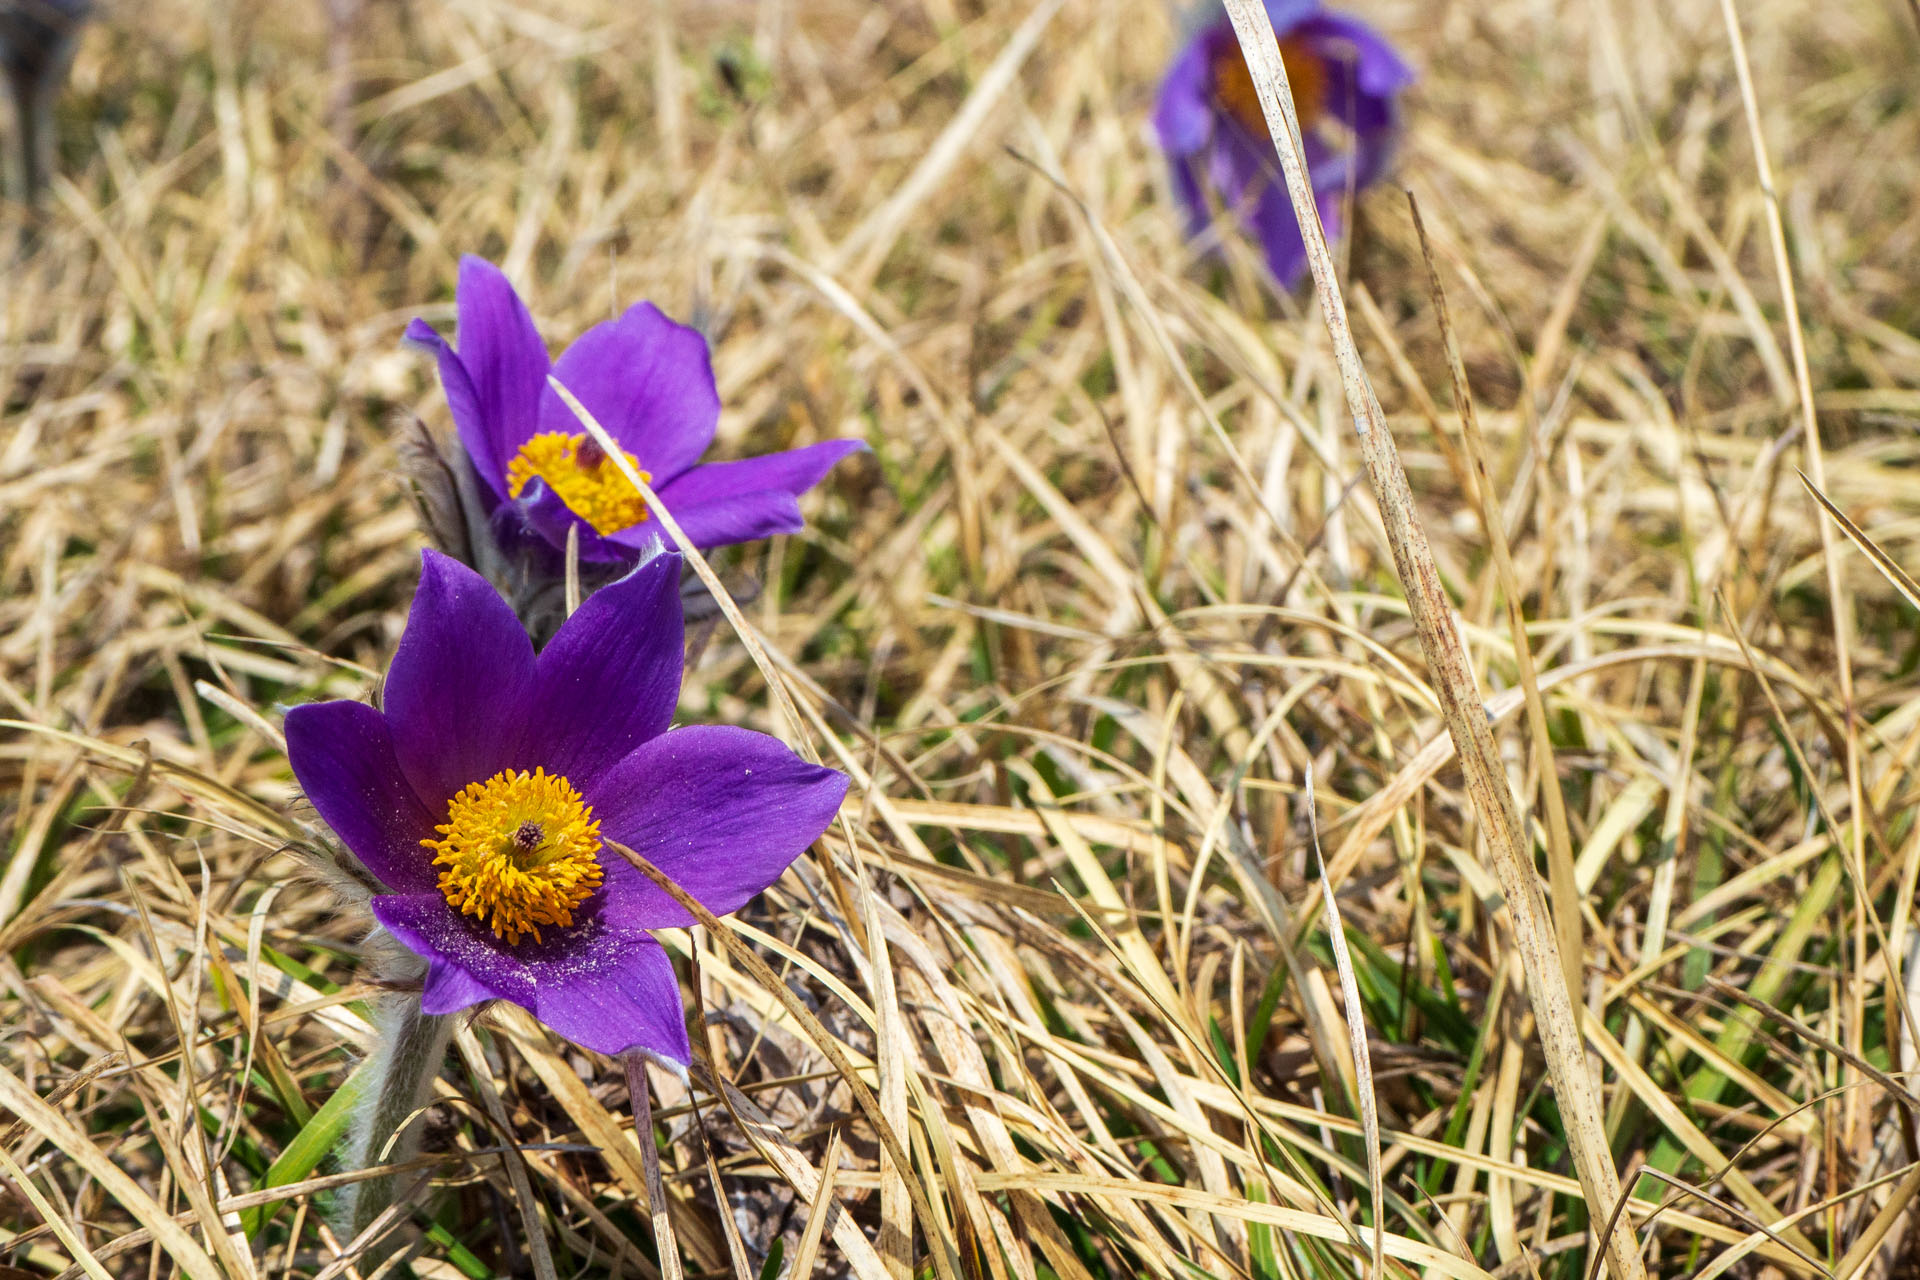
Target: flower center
(1306,74)
(575,468)
(519,852)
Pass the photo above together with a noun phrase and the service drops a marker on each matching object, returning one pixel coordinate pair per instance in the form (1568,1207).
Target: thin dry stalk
(945,1260)
(1861,1253)
(1357,1031)
(1565,893)
(641,1099)
(823,1208)
(1440,640)
(535,1238)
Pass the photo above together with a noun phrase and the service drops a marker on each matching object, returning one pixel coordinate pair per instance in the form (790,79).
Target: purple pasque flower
(1345,79)
(649,382)
(480,793)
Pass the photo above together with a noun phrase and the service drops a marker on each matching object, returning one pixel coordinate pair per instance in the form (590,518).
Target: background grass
(1109,584)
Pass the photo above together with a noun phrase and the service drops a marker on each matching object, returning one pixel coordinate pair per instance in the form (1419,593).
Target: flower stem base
(409,1048)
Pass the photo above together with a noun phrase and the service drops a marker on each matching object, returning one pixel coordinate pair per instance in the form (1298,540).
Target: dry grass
(1111,589)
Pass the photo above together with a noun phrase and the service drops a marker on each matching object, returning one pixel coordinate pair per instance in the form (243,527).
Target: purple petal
(1249,166)
(544,512)
(463,402)
(1186,187)
(1273,224)
(1327,168)
(515,533)
(1365,77)
(1239,164)
(793,471)
(1344,42)
(457,691)
(742,518)
(1365,74)
(1331,206)
(610,679)
(603,988)
(1328,171)
(504,356)
(623,996)
(649,382)
(1183,113)
(721,810)
(343,755)
(726,502)
(1376,133)
(465,963)
(1288,14)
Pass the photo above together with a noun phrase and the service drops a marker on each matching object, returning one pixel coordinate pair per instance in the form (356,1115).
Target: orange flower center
(519,851)
(1307,75)
(575,467)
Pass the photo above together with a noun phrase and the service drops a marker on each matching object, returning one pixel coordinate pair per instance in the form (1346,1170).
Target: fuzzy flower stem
(409,1047)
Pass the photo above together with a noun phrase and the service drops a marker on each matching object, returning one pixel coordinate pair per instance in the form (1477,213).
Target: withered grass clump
(1058,996)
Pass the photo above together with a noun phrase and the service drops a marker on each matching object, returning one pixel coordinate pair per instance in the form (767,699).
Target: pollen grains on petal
(518,851)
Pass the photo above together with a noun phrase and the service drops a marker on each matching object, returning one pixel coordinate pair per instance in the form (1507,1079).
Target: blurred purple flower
(648,381)
(1345,78)
(479,794)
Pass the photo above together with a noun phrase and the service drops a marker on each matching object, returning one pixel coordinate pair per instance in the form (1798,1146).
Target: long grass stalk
(1465,714)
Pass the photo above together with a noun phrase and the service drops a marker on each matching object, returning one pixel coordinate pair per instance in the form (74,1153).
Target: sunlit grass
(1110,586)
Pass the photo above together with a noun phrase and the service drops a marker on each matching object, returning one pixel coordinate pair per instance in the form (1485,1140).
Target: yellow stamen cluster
(519,851)
(577,470)
(1306,76)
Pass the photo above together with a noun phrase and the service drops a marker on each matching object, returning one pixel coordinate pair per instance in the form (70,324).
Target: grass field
(1106,630)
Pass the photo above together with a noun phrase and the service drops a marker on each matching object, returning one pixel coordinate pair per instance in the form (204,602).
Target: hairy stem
(408,1049)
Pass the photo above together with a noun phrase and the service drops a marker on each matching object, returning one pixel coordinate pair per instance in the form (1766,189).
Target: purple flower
(479,795)
(1344,77)
(648,381)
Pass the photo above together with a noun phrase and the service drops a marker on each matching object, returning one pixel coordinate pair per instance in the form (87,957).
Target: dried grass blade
(1839,600)
(242,712)
(822,1208)
(874,237)
(640,1098)
(572,580)
(1801,1257)
(771,1143)
(310,1146)
(1357,1034)
(749,638)
(1466,714)
(944,1257)
(945,1022)
(1895,1090)
(195,783)
(1314,1225)
(1561,883)
(1860,1254)
(78,1147)
(1889,567)
(50,1214)
(893,1058)
(476,1060)
(729,1228)
(599,1126)
(1671,1114)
